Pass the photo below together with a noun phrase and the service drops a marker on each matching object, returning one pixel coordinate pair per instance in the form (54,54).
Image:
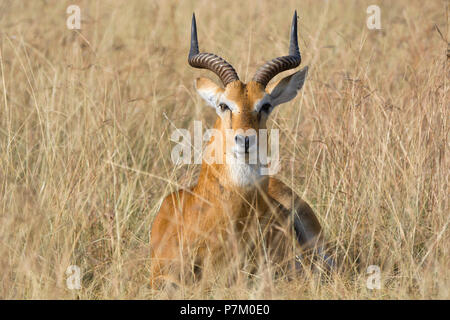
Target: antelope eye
(265,108)
(223,107)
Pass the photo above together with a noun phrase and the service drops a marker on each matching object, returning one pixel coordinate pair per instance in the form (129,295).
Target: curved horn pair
(226,72)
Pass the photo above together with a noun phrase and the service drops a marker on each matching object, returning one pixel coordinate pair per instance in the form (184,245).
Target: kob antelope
(236,215)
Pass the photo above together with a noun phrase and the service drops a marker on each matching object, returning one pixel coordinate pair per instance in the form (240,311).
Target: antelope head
(244,108)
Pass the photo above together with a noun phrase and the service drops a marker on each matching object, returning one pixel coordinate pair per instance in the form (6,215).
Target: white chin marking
(243,175)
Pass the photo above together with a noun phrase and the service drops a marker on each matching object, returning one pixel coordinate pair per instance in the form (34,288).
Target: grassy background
(86,118)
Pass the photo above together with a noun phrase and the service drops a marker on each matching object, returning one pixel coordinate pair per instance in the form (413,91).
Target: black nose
(244,141)
(247,140)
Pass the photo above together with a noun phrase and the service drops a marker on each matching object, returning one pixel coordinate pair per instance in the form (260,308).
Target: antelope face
(243,109)
(238,119)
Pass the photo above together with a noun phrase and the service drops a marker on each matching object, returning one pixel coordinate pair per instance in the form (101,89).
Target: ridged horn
(273,67)
(216,64)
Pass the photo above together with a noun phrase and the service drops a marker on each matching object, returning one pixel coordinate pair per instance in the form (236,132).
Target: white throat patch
(243,175)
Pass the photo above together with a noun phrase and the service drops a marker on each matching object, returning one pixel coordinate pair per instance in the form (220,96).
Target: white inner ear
(210,95)
(288,88)
(209,91)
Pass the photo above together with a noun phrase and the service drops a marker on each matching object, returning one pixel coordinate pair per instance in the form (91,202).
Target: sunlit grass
(86,118)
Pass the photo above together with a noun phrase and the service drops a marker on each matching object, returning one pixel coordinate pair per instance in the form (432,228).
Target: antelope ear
(287,89)
(208,90)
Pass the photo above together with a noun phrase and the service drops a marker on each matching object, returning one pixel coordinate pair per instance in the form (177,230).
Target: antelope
(233,207)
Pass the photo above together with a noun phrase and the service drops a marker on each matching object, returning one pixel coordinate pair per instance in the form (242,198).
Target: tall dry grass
(86,118)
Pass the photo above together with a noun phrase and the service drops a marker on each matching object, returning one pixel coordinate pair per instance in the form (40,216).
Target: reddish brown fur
(213,218)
